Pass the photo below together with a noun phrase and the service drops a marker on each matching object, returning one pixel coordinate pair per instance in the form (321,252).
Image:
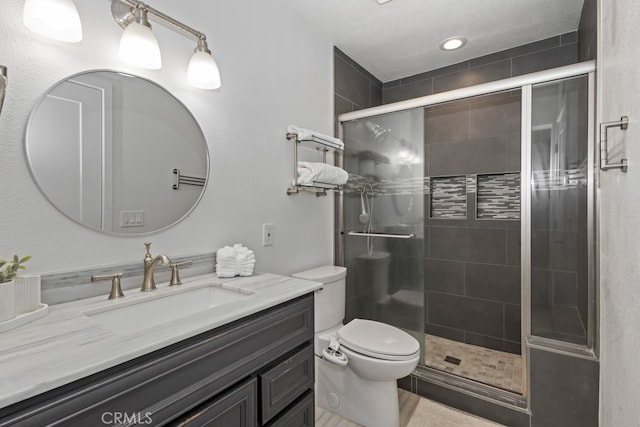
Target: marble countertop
(66,345)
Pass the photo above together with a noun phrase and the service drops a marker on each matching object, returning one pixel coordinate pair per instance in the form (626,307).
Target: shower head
(378,131)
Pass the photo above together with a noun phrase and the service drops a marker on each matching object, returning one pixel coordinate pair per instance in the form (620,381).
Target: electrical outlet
(267,234)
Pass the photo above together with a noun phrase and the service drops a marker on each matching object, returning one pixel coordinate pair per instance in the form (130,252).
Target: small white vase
(27,294)
(7,300)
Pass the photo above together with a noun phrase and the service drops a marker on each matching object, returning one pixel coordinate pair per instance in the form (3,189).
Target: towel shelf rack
(318,144)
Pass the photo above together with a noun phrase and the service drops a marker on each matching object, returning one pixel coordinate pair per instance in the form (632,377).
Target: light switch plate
(267,234)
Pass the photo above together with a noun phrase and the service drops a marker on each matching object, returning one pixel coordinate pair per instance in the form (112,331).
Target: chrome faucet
(150,263)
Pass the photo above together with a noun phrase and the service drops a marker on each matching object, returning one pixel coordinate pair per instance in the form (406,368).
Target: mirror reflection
(107,148)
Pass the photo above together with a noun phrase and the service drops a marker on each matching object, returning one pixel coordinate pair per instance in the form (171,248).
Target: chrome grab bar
(390,236)
(623,124)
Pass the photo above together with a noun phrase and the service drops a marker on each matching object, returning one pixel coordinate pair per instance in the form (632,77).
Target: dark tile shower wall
(587,31)
(354,87)
(472,270)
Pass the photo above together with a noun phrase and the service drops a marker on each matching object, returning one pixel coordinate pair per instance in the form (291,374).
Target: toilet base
(365,402)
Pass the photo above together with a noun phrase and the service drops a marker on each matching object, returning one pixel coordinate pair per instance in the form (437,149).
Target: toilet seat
(379,340)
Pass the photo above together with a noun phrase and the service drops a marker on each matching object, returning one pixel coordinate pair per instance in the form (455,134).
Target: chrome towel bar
(390,236)
(187,180)
(623,124)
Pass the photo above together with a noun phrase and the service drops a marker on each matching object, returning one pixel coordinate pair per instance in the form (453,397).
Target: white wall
(619,89)
(274,72)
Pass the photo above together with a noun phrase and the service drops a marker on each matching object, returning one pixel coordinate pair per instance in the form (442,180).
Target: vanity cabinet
(255,371)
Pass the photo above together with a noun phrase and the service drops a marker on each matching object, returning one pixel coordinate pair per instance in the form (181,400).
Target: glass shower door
(561,292)
(383,220)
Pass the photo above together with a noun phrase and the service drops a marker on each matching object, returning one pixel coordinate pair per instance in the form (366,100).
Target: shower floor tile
(492,367)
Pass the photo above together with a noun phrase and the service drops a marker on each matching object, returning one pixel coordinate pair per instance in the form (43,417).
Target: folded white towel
(234,266)
(234,273)
(234,261)
(310,173)
(305,134)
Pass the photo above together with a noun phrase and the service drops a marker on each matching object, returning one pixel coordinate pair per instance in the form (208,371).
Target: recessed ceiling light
(453,43)
(383,1)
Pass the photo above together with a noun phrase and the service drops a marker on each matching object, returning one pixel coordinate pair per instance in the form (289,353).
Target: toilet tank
(328,301)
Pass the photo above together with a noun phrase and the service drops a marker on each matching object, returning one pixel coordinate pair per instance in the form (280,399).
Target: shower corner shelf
(319,145)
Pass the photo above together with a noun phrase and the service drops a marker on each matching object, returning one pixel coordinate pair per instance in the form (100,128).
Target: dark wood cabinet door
(235,408)
(285,382)
(300,414)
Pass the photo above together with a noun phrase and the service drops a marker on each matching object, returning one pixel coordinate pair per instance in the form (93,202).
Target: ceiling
(402,37)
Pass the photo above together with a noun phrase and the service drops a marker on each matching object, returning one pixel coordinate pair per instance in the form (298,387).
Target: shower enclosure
(468,222)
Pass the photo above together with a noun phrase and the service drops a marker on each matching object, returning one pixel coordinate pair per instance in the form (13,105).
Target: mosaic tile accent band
(449,197)
(498,196)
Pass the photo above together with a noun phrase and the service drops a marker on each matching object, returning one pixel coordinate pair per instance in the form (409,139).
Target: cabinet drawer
(234,408)
(301,414)
(285,382)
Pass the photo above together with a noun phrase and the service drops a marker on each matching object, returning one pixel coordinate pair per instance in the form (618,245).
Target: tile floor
(415,411)
(496,368)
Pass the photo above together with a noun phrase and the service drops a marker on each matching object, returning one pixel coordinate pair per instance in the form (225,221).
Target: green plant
(9,269)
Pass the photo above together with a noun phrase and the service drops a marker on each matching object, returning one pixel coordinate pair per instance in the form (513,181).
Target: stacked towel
(312,173)
(235,261)
(306,134)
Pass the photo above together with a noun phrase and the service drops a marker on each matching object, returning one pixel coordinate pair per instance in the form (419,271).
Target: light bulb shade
(55,19)
(139,47)
(203,71)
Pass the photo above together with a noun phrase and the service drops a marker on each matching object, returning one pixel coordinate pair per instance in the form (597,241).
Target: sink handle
(175,276)
(116,289)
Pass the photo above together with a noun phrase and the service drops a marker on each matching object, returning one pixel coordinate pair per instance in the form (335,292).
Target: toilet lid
(378,340)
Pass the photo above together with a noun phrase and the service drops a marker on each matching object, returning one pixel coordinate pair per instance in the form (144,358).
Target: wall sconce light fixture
(55,19)
(139,46)
(59,20)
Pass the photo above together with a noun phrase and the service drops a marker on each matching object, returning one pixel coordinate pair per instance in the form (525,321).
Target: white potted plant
(8,272)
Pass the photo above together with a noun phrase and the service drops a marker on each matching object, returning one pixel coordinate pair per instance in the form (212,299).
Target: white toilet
(358,381)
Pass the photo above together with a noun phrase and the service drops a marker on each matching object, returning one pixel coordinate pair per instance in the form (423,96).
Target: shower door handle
(390,236)
(623,124)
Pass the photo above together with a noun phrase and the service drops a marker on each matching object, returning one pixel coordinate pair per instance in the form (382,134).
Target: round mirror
(117,153)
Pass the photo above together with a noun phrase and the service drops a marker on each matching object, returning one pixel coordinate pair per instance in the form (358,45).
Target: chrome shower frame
(3,85)
(525,84)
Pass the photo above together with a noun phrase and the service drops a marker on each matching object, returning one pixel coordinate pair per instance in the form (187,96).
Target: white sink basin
(134,316)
